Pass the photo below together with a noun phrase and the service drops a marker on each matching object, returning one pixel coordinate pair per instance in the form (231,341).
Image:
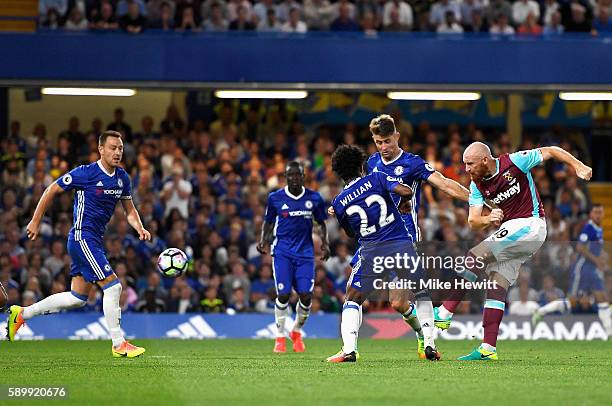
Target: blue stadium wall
(201,58)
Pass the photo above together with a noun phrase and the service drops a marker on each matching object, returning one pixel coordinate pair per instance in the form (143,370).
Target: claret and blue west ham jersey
(366,206)
(412,170)
(96,195)
(292,217)
(511,187)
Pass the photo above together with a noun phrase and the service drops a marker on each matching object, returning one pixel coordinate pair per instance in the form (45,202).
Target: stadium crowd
(525,17)
(202,187)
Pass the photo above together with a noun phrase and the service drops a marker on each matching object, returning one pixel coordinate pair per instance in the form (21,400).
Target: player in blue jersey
(413,171)
(98,187)
(287,235)
(586,274)
(367,210)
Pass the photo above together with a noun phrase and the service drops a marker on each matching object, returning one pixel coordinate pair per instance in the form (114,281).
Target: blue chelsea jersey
(292,217)
(366,207)
(412,169)
(592,236)
(96,195)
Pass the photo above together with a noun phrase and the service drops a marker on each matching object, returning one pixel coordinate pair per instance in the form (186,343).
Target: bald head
(477,150)
(478,160)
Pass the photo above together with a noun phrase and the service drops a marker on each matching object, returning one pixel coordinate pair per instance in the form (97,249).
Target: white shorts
(514,243)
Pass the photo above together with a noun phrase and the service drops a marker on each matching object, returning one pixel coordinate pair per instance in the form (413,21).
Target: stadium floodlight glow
(585,96)
(458,96)
(86,91)
(261,94)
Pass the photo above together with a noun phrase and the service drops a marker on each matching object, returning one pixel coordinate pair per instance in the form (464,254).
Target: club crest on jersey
(308,204)
(398,170)
(67,179)
(119,182)
(107,268)
(508,176)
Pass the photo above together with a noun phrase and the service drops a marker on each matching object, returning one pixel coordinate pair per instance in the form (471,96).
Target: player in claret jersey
(98,187)
(288,230)
(507,182)
(587,273)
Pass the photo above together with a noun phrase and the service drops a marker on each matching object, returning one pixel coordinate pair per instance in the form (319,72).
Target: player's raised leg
(349,325)
(77,297)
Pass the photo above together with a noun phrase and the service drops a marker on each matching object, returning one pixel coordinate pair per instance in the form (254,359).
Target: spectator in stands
(549,291)
(176,192)
(477,22)
(404,14)
(530,26)
(344,22)
(368,23)
(554,27)
(318,14)
(133,22)
(522,8)
(150,302)
(549,8)
(164,19)
(449,25)
(262,8)
(234,9)
(188,20)
(603,22)
(105,19)
(576,17)
(497,7)
(120,125)
(467,9)
(242,21)
(60,8)
(155,8)
(270,23)
(439,10)
(294,24)
(501,26)
(123,7)
(216,22)
(211,303)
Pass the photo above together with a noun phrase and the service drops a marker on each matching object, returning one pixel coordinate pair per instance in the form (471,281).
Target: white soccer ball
(172,262)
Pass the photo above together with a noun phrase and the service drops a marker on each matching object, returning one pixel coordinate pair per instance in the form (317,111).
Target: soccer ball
(172,262)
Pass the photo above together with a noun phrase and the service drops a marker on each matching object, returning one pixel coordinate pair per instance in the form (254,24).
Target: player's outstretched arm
(448,186)
(404,191)
(582,171)
(133,219)
(267,236)
(47,197)
(478,222)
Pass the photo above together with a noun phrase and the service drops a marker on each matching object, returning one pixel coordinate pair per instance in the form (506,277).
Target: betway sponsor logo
(195,328)
(507,194)
(98,330)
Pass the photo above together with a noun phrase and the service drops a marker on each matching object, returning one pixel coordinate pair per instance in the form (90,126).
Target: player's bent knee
(78,300)
(284,299)
(305,299)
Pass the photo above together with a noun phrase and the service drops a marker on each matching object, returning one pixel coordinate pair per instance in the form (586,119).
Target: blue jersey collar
(393,160)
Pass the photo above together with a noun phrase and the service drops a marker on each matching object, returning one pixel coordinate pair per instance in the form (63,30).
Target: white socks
(302,313)
(349,327)
(54,303)
(604,313)
(444,313)
(424,310)
(112,312)
(559,305)
(280,314)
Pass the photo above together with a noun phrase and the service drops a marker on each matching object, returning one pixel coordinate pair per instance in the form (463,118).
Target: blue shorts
(88,260)
(291,272)
(364,274)
(584,277)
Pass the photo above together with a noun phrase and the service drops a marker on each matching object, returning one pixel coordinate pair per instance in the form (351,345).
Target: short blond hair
(383,125)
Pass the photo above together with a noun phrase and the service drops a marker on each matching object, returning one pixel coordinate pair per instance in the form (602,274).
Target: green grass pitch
(246,371)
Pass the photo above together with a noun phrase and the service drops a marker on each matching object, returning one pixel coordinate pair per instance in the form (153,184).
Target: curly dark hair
(347,162)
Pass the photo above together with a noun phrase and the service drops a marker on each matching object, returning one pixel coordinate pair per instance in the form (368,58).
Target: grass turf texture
(241,371)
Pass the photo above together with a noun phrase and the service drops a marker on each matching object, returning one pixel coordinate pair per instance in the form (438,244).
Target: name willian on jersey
(362,189)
